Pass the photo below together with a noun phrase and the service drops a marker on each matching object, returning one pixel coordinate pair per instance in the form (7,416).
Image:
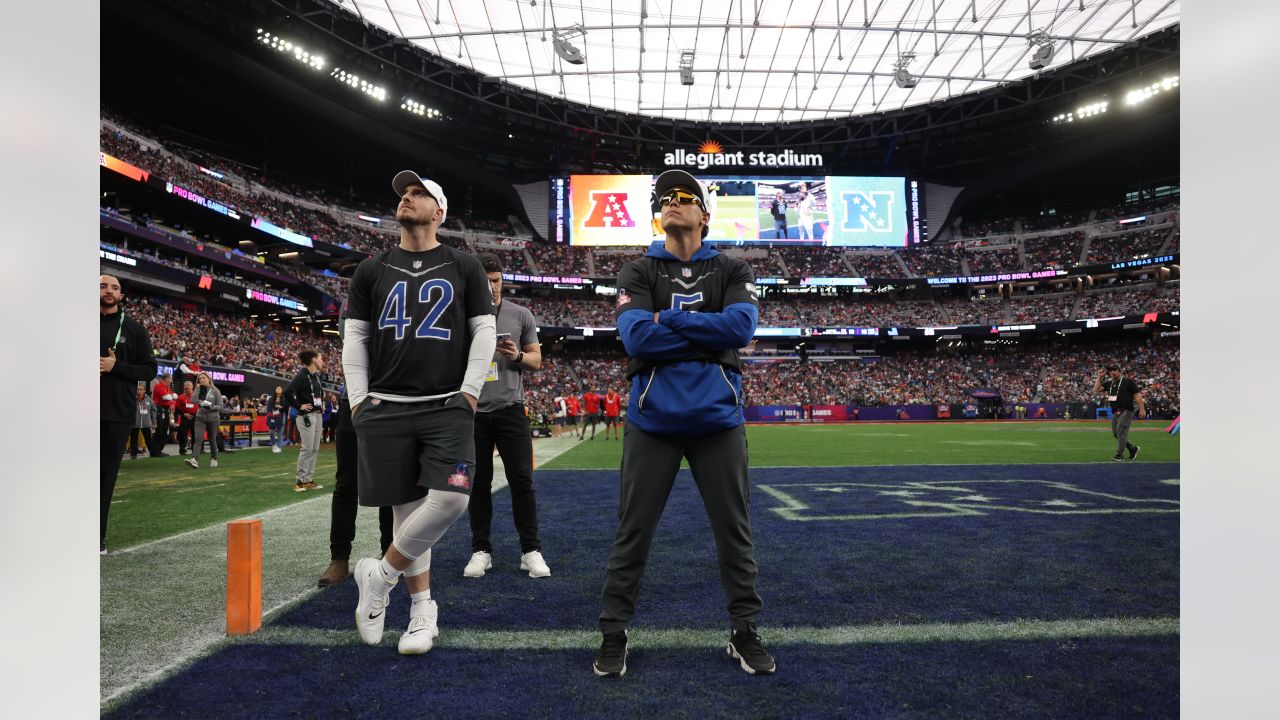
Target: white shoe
(533,562)
(422,632)
(275,449)
(480,561)
(193,462)
(213,463)
(371,610)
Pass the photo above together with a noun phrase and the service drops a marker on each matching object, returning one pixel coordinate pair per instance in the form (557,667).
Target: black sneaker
(1133,454)
(745,647)
(1118,458)
(611,658)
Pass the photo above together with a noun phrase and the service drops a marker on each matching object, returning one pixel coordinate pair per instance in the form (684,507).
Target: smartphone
(504,336)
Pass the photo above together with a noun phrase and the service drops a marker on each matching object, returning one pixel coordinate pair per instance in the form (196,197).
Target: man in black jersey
(419,336)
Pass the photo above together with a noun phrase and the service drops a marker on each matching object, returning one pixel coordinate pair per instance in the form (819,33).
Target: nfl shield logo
(686,272)
(417,264)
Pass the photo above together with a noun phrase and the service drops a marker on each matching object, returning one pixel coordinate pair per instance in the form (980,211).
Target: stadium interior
(246,149)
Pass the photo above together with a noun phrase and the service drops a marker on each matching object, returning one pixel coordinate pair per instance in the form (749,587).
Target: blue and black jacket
(686,377)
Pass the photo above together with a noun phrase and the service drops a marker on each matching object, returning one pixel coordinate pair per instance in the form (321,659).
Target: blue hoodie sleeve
(728,330)
(647,340)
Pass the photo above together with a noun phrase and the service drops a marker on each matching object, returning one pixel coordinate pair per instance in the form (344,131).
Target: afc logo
(609,209)
(867,211)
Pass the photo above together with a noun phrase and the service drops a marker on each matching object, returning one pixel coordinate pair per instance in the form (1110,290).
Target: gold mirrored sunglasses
(680,196)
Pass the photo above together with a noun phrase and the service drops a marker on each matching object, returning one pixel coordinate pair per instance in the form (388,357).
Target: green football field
(917,444)
(160,497)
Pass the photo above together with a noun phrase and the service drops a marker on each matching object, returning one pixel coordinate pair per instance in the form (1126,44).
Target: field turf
(907,571)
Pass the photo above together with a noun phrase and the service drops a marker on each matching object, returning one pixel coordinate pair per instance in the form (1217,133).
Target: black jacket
(303,390)
(135,363)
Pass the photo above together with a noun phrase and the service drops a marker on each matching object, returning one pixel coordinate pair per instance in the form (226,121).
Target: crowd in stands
(937,261)
(561,312)
(868,312)
(563,260)
(1134,301)
(609,263)
(224,340)
(779,313)
(1153,366)
(192,264)
(813,261)
(1025,309)
(1053,251)
(1055,221)
(975,311)
(994,261)
(876,265)
(513,258)
(983,228)
(1127,246)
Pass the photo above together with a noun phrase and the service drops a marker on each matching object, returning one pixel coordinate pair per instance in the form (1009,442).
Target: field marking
(586,640)
(793,508)
(197,489)
(203,624)
(990,443)
(1174,481)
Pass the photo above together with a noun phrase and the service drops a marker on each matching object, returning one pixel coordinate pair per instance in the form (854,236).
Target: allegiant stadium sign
(711,154)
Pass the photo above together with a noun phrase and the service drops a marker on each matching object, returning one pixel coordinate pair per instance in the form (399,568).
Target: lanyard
(119,330)
(1115,387)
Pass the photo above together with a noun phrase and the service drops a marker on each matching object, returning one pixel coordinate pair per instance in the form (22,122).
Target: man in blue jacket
(683,311)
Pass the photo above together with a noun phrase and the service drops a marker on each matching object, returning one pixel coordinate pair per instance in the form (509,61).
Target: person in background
(591,414)
(164,399)
(778,209)
(573,421)
(305,394)
(330,416)
(612,412)
(501,423)
(1123,394)
(144,419)
(125,359)
(187,408)
(208,400)
(276,407)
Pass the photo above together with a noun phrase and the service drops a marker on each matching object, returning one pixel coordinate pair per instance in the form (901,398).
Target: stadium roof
(762,61)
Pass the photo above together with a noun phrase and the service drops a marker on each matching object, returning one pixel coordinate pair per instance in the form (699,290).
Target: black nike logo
(415,632)
(372,616)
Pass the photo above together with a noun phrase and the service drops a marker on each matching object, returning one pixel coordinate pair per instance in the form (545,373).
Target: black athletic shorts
(610,419)
(409,448)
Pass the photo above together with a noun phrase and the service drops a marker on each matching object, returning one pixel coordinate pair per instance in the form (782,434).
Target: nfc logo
(865,211)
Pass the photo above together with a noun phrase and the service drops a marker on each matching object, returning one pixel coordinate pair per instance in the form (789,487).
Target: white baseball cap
(403,179)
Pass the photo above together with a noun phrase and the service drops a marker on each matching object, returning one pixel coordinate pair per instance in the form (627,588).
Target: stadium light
(374,91)
(686,67)
(564,46)
(1137,97)
(279,44)
(901,76)
(1043,54)
(1082,112)
(408,104)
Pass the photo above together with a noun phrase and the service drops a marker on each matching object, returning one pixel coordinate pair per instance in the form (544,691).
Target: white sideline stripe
(264,513)
(899,465)
(201,645)
(197,489)
(979,631)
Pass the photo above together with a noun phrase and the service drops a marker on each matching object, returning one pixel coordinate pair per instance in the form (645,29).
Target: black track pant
(649,466)
(112,437)
(342,522)
(508,430)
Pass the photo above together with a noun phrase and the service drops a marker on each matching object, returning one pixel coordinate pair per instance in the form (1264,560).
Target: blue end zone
(835,546)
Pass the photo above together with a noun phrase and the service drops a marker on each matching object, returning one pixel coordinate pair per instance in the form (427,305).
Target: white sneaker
(371,610)
(480,561)
(533,562)
(193,462)
(213,463)
(275,449)
(422,632)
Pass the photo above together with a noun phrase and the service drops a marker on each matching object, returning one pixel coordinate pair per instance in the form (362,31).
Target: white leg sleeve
(420,524)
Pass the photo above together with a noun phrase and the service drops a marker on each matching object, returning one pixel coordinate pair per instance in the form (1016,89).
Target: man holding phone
(501,422)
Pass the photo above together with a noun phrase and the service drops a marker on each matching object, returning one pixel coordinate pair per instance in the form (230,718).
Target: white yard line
(170,590)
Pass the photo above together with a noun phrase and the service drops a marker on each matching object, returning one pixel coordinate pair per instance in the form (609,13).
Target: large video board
(837,211)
